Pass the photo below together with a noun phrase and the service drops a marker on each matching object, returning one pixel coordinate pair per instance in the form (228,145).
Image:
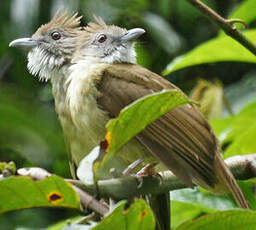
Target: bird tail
(227,177)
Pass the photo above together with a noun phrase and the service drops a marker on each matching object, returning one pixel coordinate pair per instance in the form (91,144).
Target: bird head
(107,43)
(52,45)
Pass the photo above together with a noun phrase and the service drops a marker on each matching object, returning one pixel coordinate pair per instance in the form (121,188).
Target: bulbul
(107,78)
(104,78)
(51,50)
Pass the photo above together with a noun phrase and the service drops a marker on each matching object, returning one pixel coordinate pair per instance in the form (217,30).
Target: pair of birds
(94,75)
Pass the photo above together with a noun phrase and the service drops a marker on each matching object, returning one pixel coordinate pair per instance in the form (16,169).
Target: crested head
(52,45)
(57,44)
(107,43)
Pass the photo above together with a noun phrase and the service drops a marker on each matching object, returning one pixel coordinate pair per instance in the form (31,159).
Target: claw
(146,171)
(132,166)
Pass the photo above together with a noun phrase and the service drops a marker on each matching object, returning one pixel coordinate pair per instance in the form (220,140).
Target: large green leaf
(220,49)
(22,192)
(135,117)
(235,220)
(138,217)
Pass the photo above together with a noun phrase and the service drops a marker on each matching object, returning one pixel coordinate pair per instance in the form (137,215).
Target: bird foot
(146,171)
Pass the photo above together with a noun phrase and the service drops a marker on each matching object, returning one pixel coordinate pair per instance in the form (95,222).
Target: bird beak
(24,42)
(132,34)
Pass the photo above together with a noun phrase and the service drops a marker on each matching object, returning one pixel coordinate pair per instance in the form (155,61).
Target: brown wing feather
(181,139)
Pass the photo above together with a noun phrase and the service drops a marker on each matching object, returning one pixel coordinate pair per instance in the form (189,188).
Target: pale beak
(132,34)
(24,42)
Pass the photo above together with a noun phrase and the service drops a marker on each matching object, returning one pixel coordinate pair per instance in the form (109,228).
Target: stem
(90,202)
(225,24)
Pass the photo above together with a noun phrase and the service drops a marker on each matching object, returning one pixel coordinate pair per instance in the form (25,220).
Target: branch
(226,24)
(243,167)
(90,202)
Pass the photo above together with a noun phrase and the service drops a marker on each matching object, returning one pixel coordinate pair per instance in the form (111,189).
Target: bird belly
(88,130)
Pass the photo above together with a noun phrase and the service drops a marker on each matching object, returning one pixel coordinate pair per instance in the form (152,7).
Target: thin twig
(90,202)
(226,24)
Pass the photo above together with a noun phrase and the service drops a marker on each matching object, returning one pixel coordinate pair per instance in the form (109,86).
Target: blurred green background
(29,130)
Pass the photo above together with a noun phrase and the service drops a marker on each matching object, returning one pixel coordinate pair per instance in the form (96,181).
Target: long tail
(230,182)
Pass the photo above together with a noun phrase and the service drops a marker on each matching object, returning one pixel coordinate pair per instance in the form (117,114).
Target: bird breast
(83,122)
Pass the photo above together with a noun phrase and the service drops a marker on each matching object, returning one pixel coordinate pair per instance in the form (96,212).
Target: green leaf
(222,127)
(22,192)
(243,143)
(248,188)
(235,219)
(238,132)
(184,211)
(137,217)
(136,116)
(220,49)
(245,11)
(204,198)
(60,225)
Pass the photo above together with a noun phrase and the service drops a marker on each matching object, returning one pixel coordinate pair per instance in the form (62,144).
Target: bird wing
(182,139)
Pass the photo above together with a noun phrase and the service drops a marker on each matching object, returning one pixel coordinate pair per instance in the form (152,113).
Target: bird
(105,78)
(94,75)
(51,50)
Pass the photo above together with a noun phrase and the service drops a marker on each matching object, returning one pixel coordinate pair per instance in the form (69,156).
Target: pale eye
(55,35)
(102,38)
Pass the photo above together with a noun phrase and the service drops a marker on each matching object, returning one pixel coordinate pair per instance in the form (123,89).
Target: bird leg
(146,171)
(132,166)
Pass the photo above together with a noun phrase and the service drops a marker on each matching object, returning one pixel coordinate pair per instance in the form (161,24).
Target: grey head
(52,46)
(107,43)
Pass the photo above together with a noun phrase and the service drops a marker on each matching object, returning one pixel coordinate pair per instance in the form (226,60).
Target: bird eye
(102,38)
(56,35)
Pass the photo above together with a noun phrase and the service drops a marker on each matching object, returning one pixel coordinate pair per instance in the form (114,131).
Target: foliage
(235,219)
(178,37)
(219,49)
(51,192)
(238,131)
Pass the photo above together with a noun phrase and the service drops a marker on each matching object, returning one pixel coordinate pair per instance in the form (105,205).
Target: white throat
(122,55)
(43,64)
